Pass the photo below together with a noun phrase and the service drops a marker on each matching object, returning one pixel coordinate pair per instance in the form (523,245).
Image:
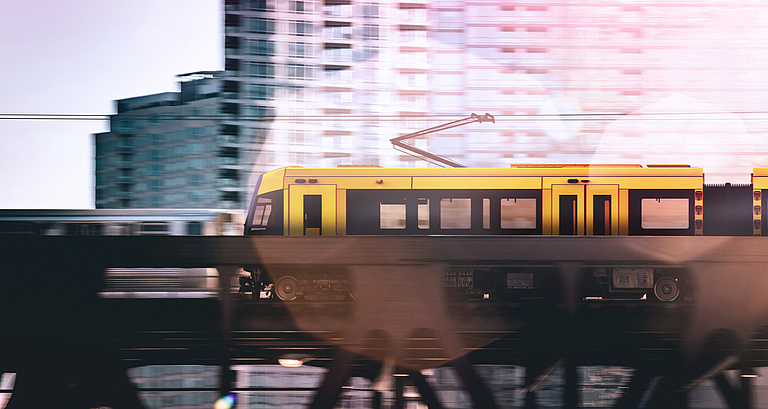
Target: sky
(78,57)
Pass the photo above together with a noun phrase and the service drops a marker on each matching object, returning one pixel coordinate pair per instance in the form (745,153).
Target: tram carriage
(522,199)
(589,200)
(134,282)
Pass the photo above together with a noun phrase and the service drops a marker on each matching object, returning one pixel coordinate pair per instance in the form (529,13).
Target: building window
(125,126)
(370,53)
(343,54)
(260,69)
(413,35)
(338,97)
(260,47)
(155,184)
(259,5)
(300,50)
(370,31)
(296,93)
(371,10)
(299,71)
(338,10)
(300,27)
(258,112)
(337,32)
(259,25)
(261,91)
(124,143)
(301,6)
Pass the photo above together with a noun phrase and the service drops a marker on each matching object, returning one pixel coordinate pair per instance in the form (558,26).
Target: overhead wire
(607,116)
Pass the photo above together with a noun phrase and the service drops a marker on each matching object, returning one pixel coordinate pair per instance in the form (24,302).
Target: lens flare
(225,403)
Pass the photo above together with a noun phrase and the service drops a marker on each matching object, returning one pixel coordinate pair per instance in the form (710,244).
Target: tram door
(579,210)
(312,210)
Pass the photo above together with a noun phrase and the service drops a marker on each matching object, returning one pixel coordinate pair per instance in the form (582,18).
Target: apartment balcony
(341,11)
(337,56)
(339,32)
(337,76)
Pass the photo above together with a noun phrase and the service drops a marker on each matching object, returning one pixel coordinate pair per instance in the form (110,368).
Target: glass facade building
(165,150)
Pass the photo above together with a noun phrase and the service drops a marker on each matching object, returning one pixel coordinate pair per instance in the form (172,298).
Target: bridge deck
(400,311)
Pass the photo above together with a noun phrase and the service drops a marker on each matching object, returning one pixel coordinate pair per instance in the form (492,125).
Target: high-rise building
(322,83)
(164,150)
(604,82)
(326,82)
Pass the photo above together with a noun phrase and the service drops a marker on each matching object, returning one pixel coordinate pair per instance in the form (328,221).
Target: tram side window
(455,213)
(391,216)
(487,213)
(152,228)
(85,229)
(423,210)
(659,213)
(194,229)
(518,213)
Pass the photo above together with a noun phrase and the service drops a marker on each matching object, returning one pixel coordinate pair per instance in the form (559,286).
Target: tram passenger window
(486,213)
(517,213)
(194,229)
(456,213)
(392,216)
(154,228)
(423,209)
(658,213)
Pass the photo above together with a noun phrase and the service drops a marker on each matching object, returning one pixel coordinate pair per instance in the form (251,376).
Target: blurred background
(183,104)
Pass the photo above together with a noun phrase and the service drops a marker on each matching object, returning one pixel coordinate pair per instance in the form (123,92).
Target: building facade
(604,82)
(164,150)
(321,83)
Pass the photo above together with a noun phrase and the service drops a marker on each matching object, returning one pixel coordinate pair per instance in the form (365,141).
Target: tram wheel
(285,288)
(666,289)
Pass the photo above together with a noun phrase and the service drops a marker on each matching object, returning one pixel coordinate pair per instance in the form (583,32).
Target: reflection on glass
(661,213)
(455,213)
(392,216)
(518,213)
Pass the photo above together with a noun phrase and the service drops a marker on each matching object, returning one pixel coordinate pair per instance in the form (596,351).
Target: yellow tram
(521,199)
